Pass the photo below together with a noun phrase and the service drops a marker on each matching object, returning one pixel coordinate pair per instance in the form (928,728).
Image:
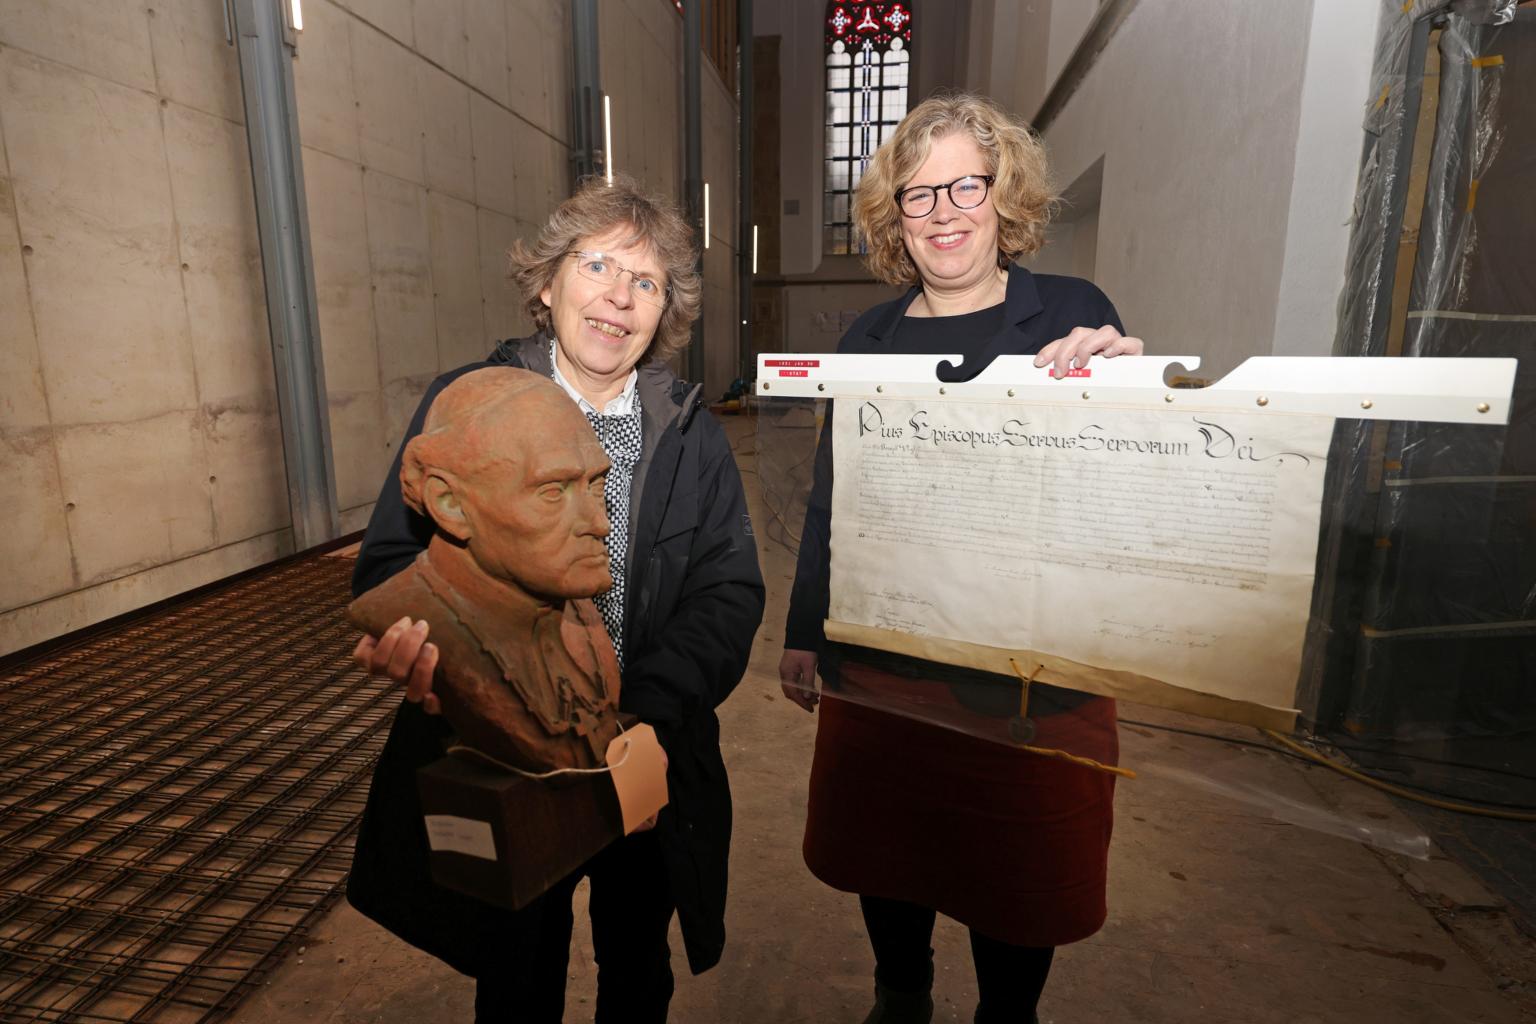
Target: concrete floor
(1218,912)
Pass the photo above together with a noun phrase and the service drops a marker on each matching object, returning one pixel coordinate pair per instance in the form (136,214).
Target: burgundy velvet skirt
(1010,843)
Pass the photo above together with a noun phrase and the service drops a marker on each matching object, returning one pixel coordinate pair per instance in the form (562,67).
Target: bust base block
(505,839)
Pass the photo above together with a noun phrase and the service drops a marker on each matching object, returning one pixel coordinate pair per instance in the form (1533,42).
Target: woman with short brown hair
(611,283)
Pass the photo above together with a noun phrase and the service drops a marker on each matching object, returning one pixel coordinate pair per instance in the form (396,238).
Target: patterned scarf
(620,438)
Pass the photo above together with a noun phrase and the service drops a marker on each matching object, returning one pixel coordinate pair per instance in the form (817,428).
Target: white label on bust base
(461,835)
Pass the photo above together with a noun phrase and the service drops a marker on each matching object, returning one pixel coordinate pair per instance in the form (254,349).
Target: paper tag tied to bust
(461,835)
(639,771)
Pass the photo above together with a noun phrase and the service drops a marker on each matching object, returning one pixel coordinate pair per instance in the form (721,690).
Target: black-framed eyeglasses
(600,267)
(966,193)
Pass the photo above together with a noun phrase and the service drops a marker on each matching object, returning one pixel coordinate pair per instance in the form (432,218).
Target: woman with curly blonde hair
(914,818)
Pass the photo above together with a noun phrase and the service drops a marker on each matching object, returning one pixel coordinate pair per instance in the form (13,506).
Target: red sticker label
(794,373)
(791,362)
(1076,372)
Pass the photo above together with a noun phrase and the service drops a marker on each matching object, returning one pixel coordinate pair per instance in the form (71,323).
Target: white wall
(1336,84)
(1205,115)
(802,80)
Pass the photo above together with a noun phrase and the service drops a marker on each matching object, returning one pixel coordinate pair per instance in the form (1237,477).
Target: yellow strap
(1496,60)
(1472,196)
(1024,690)
(1086,762)
(1061,755)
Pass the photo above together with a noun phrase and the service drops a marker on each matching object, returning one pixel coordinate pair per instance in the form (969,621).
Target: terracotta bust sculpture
(510,472)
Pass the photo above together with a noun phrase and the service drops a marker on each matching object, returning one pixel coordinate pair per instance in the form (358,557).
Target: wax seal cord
(1060,755)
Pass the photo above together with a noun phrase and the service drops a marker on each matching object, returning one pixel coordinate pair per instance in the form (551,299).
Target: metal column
(744,246)
(588,153)
(693,163)
(272,129)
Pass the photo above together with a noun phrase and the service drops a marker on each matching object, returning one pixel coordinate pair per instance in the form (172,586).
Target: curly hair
(1023,193)
(598,208)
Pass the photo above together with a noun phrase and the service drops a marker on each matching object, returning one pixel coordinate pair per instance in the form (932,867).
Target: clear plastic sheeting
(787,429)
(1426,599)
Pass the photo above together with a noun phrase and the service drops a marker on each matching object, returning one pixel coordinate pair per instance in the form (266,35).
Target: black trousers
(1009,978)
(631,906)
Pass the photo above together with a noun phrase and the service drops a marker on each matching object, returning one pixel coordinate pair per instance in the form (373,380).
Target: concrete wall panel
(194,63)
(504,315)
(485,24)
(528,64)
(221,254)
(541,173)
(23,402)
(403,303)
(455,247)
(34,540)
(247,479)
(441,36)
(389,109)
(392,17)
(362,451)
(34,535)
(402,277)
(343,281)
(449,142)
(139,491)
(109,38)
(496,133)
(549,23)
(322,77)
(88,168)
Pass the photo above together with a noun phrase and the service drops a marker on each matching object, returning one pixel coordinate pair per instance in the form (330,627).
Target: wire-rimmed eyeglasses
(600,267)
(965,193)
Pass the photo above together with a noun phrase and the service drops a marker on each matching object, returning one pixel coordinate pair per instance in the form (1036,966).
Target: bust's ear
(443,505)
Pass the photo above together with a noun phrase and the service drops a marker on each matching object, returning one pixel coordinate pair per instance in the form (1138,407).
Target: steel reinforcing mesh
(178,800)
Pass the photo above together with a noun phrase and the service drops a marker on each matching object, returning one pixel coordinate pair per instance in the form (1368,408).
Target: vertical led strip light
(296,13)
(706,215)
(754,248)
(607,137)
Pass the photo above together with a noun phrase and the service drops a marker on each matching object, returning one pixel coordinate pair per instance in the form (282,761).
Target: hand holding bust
(510,472)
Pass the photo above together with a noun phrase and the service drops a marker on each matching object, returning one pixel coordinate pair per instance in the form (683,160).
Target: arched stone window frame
(868,91)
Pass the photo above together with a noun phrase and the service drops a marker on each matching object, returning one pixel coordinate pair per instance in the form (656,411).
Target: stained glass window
(869,61)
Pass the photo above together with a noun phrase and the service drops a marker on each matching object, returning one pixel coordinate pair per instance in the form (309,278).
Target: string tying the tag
(459,749)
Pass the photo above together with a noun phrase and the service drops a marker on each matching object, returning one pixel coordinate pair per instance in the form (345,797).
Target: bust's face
(537,517)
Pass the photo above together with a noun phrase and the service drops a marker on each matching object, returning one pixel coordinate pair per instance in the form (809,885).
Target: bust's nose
(593,514)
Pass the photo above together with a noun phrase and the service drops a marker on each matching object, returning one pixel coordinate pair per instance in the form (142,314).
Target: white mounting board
(1426,390)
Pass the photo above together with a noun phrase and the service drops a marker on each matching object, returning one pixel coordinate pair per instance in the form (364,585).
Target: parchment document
(1166,557)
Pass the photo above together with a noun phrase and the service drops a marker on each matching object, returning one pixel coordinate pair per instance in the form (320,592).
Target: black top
(967,333)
